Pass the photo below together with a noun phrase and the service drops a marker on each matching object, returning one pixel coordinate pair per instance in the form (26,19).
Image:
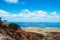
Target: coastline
(43,29)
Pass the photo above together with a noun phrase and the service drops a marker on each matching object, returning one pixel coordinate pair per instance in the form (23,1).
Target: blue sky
(30,10)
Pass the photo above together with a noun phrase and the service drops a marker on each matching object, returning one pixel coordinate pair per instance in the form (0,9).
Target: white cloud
(40,13)
(4,13)
(35,16)
(7,14)
(11,1)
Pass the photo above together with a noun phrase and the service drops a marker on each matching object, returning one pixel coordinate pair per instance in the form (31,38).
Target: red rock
(26,35)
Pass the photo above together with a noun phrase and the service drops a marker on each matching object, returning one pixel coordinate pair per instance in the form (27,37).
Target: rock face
(5,37)
(19,34)
(26,35)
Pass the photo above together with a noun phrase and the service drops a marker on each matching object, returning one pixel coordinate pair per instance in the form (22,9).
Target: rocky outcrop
(26,35)
(18,35)
(5,37)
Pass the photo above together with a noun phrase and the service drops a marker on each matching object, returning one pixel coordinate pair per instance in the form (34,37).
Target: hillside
(13,32)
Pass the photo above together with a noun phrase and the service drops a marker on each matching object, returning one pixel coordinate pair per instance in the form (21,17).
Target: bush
(14,26)
(39,35)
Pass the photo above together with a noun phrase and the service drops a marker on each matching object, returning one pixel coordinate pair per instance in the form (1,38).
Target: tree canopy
(14,26)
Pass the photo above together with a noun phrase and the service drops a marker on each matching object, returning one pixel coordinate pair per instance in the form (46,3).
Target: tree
(14,26)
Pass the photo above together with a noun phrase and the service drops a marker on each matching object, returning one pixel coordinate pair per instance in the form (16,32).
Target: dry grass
(44,31)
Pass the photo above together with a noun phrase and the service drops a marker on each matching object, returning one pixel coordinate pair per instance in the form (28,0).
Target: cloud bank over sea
(31,16)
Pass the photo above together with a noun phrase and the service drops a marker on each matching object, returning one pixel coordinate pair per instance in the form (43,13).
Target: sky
(30,10)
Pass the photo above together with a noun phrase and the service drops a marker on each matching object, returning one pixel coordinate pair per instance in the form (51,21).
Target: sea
(38,24)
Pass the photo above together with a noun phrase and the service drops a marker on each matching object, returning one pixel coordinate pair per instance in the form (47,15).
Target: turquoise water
(39,24)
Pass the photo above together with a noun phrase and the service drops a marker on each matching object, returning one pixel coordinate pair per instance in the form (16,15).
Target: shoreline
(41,27)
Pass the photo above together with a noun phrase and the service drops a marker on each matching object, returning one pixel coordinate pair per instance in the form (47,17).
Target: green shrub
(39,35)
(14,26)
